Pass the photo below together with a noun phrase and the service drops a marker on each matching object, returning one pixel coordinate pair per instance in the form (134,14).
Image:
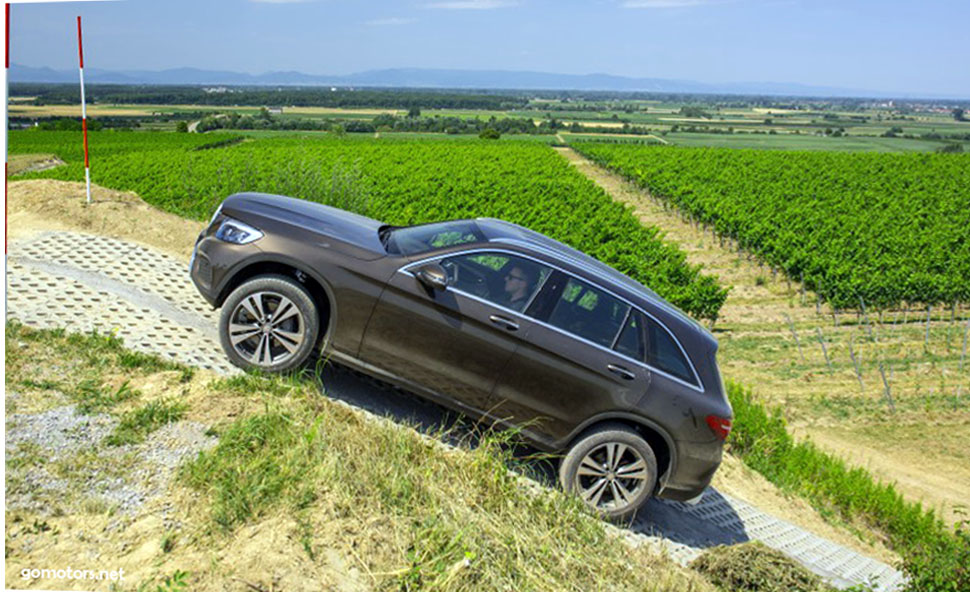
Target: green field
(398,180)
(864,227)
(804,142)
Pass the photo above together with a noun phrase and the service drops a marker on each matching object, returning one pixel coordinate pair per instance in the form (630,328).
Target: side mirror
(433,276)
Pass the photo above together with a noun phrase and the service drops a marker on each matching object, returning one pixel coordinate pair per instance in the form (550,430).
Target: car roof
(500,231)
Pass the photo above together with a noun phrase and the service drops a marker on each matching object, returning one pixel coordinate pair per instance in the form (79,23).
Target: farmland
(784,123)
(907,362)
(837,222)
(398,181)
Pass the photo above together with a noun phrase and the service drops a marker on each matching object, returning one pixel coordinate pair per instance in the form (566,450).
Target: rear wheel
(270,323)
(612,469)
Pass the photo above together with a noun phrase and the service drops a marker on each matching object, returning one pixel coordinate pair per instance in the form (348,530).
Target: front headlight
(237,233)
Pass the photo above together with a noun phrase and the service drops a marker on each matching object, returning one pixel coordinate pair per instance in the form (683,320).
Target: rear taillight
(719,425)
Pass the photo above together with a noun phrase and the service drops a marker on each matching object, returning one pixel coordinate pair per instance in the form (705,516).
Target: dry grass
(47,204)
(304,493)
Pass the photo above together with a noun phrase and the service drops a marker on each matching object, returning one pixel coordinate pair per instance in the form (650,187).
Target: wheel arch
(320,290)
(657,437)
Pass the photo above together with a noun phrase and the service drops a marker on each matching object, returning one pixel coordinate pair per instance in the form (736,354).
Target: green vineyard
(873,229)
(397,181)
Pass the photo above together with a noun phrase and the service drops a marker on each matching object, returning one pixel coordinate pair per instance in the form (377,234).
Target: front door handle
(505,322)
(621,372)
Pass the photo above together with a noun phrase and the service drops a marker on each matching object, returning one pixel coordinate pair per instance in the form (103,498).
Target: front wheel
(269,323)
(612,469)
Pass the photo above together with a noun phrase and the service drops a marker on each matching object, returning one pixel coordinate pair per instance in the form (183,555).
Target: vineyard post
(963,356)
(953,317)
(791,325)
(926,340)
(821,340)
(855,362)
(865,316)
(889,395)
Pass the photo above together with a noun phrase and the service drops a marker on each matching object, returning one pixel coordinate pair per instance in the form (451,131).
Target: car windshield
(414,240)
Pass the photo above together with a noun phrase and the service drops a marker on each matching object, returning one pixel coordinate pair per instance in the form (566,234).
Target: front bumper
(213,264)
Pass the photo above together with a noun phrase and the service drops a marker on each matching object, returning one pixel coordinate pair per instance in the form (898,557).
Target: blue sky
(889,46)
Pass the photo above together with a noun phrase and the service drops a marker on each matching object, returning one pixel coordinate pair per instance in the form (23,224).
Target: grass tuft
(136,425)
(756,568)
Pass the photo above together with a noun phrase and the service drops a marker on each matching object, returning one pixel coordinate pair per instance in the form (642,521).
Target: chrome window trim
(699,386)
(580,264)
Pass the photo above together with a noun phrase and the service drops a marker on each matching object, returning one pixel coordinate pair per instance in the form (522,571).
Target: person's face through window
(516,284)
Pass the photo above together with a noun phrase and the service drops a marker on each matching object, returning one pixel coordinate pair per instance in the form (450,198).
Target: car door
(453,342)
(566,370)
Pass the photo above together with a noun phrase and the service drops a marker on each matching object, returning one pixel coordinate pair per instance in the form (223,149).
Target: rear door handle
(508,323)
(621,372)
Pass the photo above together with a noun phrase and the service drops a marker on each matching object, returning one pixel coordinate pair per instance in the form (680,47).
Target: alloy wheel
(266,328)
(611,477)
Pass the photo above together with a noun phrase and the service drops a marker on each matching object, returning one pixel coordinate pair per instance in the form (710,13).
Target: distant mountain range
(436,78)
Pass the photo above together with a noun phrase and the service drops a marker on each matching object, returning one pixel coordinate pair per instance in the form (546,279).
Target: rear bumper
(696,465)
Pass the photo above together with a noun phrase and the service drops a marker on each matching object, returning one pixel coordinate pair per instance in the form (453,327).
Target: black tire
(615,492)
(252,334)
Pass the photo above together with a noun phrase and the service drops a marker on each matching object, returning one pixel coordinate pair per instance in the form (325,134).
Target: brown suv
(486,317)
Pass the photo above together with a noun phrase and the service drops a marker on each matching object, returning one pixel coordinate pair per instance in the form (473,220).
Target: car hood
(357,234)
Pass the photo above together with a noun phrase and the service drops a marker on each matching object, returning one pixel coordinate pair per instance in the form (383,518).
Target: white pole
(84,113)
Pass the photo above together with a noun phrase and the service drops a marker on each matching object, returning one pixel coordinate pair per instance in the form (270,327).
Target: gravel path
(83,282)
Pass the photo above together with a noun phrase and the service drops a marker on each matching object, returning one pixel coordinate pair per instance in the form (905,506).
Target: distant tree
(182,127)
(958,114)
(489,134)
(338,130)
(893,132)
(950,147)
(694,112)
(768,121)
(414,112)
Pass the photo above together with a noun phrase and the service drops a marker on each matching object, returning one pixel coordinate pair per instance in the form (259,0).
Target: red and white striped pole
(84,112)
(6,148)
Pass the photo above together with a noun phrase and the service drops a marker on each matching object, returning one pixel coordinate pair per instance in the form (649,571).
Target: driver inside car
(520,282)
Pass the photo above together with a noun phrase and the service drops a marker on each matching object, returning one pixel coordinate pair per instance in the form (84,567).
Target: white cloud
(667,3)
(391,21)
(471,4)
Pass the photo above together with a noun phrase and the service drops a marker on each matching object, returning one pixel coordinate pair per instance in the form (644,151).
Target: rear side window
(664,354)
(588,312)
(644,340)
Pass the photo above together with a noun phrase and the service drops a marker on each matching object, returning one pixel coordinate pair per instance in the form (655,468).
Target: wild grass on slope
(935,558)
(452,519)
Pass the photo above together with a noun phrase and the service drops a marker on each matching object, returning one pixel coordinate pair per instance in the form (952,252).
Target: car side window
(588,312)
(500,278)
(664,354)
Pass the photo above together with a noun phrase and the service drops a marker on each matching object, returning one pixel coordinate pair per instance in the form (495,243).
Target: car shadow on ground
(674,521)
